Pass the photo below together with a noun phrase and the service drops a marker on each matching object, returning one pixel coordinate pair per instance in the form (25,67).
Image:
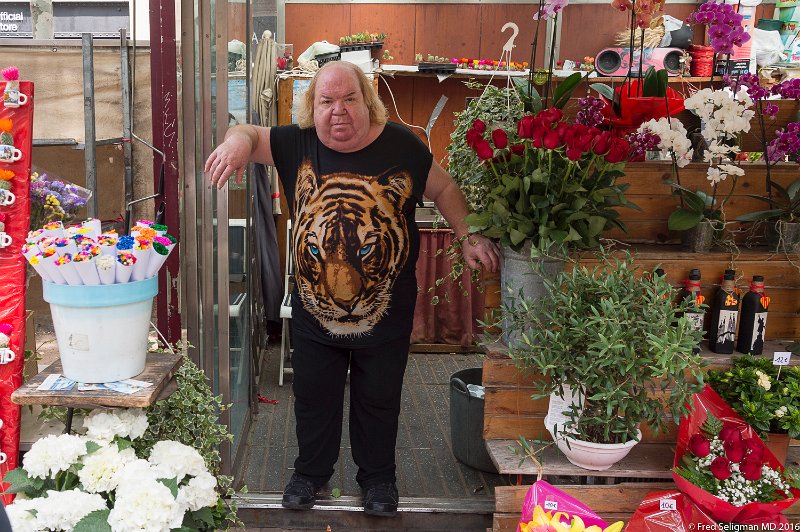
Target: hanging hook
(509,45)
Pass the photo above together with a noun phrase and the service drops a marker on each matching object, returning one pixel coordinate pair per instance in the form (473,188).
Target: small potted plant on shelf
(607,342)
(766,396)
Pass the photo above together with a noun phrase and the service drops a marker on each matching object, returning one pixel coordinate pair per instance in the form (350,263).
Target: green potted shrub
(783,216)
(766,396)
(607,341)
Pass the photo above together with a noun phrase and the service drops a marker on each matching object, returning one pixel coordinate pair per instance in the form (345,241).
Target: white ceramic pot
(594,456)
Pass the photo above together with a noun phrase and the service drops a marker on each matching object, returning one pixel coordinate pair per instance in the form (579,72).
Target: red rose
(483,149)
(751,468)
(735,450)
(500,139)
(472,137)
(525,127)
(730,433)
(479,126)
(756,448)
(552,140)
(619,151)
(699,446)
(720,468)
(573,154)
(518,149)
(602,143)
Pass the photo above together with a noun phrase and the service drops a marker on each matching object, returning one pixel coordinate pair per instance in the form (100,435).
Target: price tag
(667,504)
(781,358)
(551,505)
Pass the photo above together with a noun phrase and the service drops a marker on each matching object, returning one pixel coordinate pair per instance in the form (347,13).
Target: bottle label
(759,330)
(726,330)
(696,319)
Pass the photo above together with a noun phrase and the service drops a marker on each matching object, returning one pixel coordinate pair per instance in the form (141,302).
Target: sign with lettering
(15,19)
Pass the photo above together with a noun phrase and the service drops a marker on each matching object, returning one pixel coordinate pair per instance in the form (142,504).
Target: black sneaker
(299,494)
(381,500)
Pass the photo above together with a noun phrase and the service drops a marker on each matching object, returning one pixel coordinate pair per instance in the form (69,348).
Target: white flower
(715,175)
(62,510)
(782,411)
(173,459)
(104,425)
(144,504)
(763,380)
(732,169)
(102,469)
(137,470)
(52,454)
(22,520)
(199,493)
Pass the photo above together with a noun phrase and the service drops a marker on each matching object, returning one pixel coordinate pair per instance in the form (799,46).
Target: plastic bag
(318,48)
(669,511)
(754,512)
(768,47)
(554,500)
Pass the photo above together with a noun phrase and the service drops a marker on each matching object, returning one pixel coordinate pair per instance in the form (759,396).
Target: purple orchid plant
(725,28)
(550,8)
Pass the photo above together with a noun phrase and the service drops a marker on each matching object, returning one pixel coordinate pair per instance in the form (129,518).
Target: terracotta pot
(699,238)
(779,445)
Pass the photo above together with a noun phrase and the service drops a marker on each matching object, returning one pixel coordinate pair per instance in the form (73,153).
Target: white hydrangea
(61,510)
(52,454)
(145,505)
(102,469)
(173,459)
(20,515)
(199,493)
(104,425)
(137,470)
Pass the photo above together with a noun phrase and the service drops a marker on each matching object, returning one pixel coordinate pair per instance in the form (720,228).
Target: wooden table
(159,370)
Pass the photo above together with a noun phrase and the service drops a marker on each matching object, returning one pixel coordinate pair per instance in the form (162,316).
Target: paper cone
(49,265)
(30,250)
(158,256)
(125,243)
(125,264)
(108,249)
(160,229)
(106,268)
(87,270)
(142,260)
(35,236)
(54,229)
(66,268)
(35,261)
(66,246)
(93,224)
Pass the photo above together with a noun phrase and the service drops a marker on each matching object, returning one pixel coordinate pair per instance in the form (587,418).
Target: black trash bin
(466,421)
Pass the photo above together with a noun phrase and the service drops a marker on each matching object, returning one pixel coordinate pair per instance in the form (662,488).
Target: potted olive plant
(608,341)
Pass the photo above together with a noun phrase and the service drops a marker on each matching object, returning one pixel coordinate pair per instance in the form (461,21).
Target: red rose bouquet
(723,465)
(552,182)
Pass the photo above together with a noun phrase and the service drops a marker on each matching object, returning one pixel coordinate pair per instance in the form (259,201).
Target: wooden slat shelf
(646,460)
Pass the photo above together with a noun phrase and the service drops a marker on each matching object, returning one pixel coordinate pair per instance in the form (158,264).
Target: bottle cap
(758,278)
(729,275)
(694,274)
(660,272)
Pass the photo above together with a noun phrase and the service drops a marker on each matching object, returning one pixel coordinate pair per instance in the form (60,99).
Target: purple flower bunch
(724,26)
(642,142)
(590,113)
(785,144)
(788,90)
(53,199)
(754,90)
(549,8)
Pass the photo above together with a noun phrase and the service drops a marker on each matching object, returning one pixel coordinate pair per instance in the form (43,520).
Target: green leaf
(564,90)
(92,446)
(96,521)
(122,443)
(478,220)
(760,215)
(204,515)
(604,90)
(682,219)
(650,85)
(20,482)
(694,202)
(662,82)
(793,189)
(172,484)
(336,493)
(516,236)
(596,225)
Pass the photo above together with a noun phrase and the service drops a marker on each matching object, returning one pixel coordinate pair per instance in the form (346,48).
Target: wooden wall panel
(309,23)
(448,30)
(494,16)
(397,21)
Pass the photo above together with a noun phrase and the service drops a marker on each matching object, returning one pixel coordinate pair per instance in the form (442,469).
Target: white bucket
(102,330)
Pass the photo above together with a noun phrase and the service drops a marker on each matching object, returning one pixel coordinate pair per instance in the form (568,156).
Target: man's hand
(229,159)
(480,252)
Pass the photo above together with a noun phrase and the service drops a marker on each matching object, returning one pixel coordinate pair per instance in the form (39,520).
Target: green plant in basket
(610,333)
(766,396)
(697,206)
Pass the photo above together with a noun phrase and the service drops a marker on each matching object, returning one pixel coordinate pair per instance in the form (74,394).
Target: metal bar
(55,142)
(223,278)
(164,93)
(90,153)
(189,250)
(127,148)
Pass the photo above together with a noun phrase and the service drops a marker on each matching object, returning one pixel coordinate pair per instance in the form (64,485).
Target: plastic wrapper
(754,512)
(13,273)
(634,110)
(553,499)
(669,511)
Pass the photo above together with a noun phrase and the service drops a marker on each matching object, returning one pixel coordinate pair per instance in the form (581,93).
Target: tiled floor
(426,466)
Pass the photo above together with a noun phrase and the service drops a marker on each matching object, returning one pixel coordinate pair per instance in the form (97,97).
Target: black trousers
(376,382)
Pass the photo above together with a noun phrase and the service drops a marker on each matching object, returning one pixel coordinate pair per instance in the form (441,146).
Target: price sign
(667,504)
(551,505)
(781,358)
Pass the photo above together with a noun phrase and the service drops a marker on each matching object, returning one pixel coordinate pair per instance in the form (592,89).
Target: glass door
(217,273)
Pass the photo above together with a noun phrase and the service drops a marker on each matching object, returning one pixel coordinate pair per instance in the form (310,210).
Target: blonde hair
(377,111)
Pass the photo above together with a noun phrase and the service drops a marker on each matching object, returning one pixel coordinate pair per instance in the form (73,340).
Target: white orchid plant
(96,483)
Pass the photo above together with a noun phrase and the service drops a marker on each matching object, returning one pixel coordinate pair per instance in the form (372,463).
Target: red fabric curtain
(453,320)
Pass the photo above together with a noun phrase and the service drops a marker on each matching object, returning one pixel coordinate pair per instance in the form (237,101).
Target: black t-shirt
(355,241)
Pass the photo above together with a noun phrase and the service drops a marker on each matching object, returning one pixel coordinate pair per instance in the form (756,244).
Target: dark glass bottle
(691,292)
(753,321)
(724,314)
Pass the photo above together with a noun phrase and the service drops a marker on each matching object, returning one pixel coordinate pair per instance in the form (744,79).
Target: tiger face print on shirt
(350,243)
